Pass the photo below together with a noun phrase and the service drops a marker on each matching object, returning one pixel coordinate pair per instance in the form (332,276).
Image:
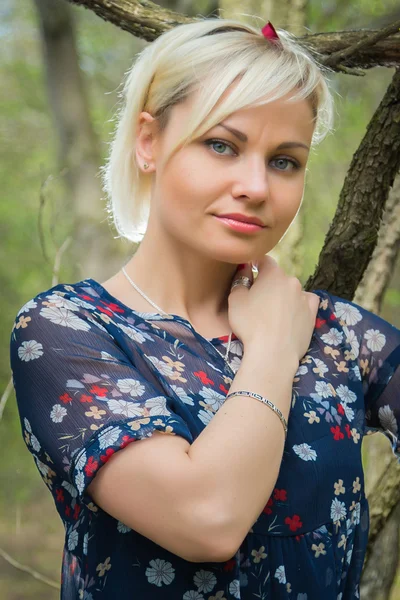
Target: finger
(246,271)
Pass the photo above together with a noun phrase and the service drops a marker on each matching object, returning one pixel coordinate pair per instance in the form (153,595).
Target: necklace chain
(163,312)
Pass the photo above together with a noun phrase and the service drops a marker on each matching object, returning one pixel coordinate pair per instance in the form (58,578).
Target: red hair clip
(269,32)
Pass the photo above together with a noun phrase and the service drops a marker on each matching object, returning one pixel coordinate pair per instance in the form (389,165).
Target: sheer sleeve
(375,343)
(80,397)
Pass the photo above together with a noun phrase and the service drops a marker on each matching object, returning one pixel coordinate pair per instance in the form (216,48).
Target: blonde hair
(184,60)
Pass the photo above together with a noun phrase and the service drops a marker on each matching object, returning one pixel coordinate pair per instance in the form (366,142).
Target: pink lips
(240,225)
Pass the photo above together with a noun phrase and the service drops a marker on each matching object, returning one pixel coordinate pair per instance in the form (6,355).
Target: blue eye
(212,142)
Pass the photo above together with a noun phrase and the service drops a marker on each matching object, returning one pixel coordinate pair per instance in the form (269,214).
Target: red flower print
(223,389)
(293,522)
(126,440)
(319,322)
(333,317)
(85,398)
(337,434)
(68,511)
(85,297)
(98,391)
(66,398)
(59,495)
(91,466)
(72,566)
(105,457)
(203,377)
(229,565)
(280,494)
(105,310)
(77,510)
(112,306)
(340,409)
(267,508)
(348,431)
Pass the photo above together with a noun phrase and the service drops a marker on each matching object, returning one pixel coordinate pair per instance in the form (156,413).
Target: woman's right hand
(275,312)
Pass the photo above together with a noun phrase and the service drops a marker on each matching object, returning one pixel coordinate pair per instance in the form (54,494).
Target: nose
(252,181)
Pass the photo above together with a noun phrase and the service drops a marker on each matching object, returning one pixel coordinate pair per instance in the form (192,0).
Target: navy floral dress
(92,375)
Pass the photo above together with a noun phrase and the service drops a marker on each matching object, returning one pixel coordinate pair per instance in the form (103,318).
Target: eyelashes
(295,164)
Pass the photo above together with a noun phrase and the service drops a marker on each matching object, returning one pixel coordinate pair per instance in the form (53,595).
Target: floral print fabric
(92,376)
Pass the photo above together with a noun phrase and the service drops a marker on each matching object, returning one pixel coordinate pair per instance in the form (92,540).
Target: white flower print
(35,443)
(81,462)
(302,370)
(357,373)
(134,334)
(73,540)
(179,391)
(375,339)
(27,425)
(205,416)
(347,313)
(62,302)
(323,389)
(70,488)
(26,307)
(44,469)
(160,572)
(133,387)
(355,515)
(108,437)
(333,338)
(122,407)
(157,406)
(82,304)
(58,412)
(349,412)
(122,528)
(205,581)
(345,394)
(234,588)
(320,366)
(387,418)
(85,543)
(30,350)
(352,339)
(338,511)
(64,317)
(164,368)
(302,597)
(305,452)
(107,356)
(280,574)
(80,481)
(192,595)
(215,399)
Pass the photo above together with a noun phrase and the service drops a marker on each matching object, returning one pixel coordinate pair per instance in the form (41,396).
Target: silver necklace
(163,312)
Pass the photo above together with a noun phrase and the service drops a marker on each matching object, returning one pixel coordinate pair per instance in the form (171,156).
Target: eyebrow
(243,138)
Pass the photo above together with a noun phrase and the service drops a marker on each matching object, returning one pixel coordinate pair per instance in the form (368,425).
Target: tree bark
(353,233)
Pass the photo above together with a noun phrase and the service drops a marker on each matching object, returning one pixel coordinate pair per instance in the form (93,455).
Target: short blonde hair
(184,60)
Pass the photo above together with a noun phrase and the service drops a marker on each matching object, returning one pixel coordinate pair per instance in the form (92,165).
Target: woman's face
(219,173)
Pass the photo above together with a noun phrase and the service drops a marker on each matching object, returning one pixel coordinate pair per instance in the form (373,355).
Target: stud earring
(145,165)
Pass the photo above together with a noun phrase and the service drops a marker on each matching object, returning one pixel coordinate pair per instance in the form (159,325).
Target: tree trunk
(94,252)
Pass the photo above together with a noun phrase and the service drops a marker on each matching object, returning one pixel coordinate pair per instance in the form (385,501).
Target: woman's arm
(199,500)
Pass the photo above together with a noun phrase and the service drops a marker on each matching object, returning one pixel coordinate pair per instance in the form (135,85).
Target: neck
(181,282)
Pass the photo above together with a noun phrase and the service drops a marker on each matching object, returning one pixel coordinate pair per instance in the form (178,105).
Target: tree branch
(362,48)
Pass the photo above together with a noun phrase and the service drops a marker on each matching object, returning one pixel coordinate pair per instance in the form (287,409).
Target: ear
(146,141)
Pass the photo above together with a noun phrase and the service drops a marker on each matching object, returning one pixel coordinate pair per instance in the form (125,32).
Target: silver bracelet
(265,401)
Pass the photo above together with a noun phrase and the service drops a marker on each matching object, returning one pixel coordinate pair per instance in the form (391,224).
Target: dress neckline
(103,292)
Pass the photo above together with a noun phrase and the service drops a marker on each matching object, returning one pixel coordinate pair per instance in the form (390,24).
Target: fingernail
(241,266)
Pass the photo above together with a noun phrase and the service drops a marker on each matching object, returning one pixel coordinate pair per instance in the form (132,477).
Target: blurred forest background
(61,67)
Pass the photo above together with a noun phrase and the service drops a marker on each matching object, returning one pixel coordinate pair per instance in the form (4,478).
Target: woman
(221,496)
